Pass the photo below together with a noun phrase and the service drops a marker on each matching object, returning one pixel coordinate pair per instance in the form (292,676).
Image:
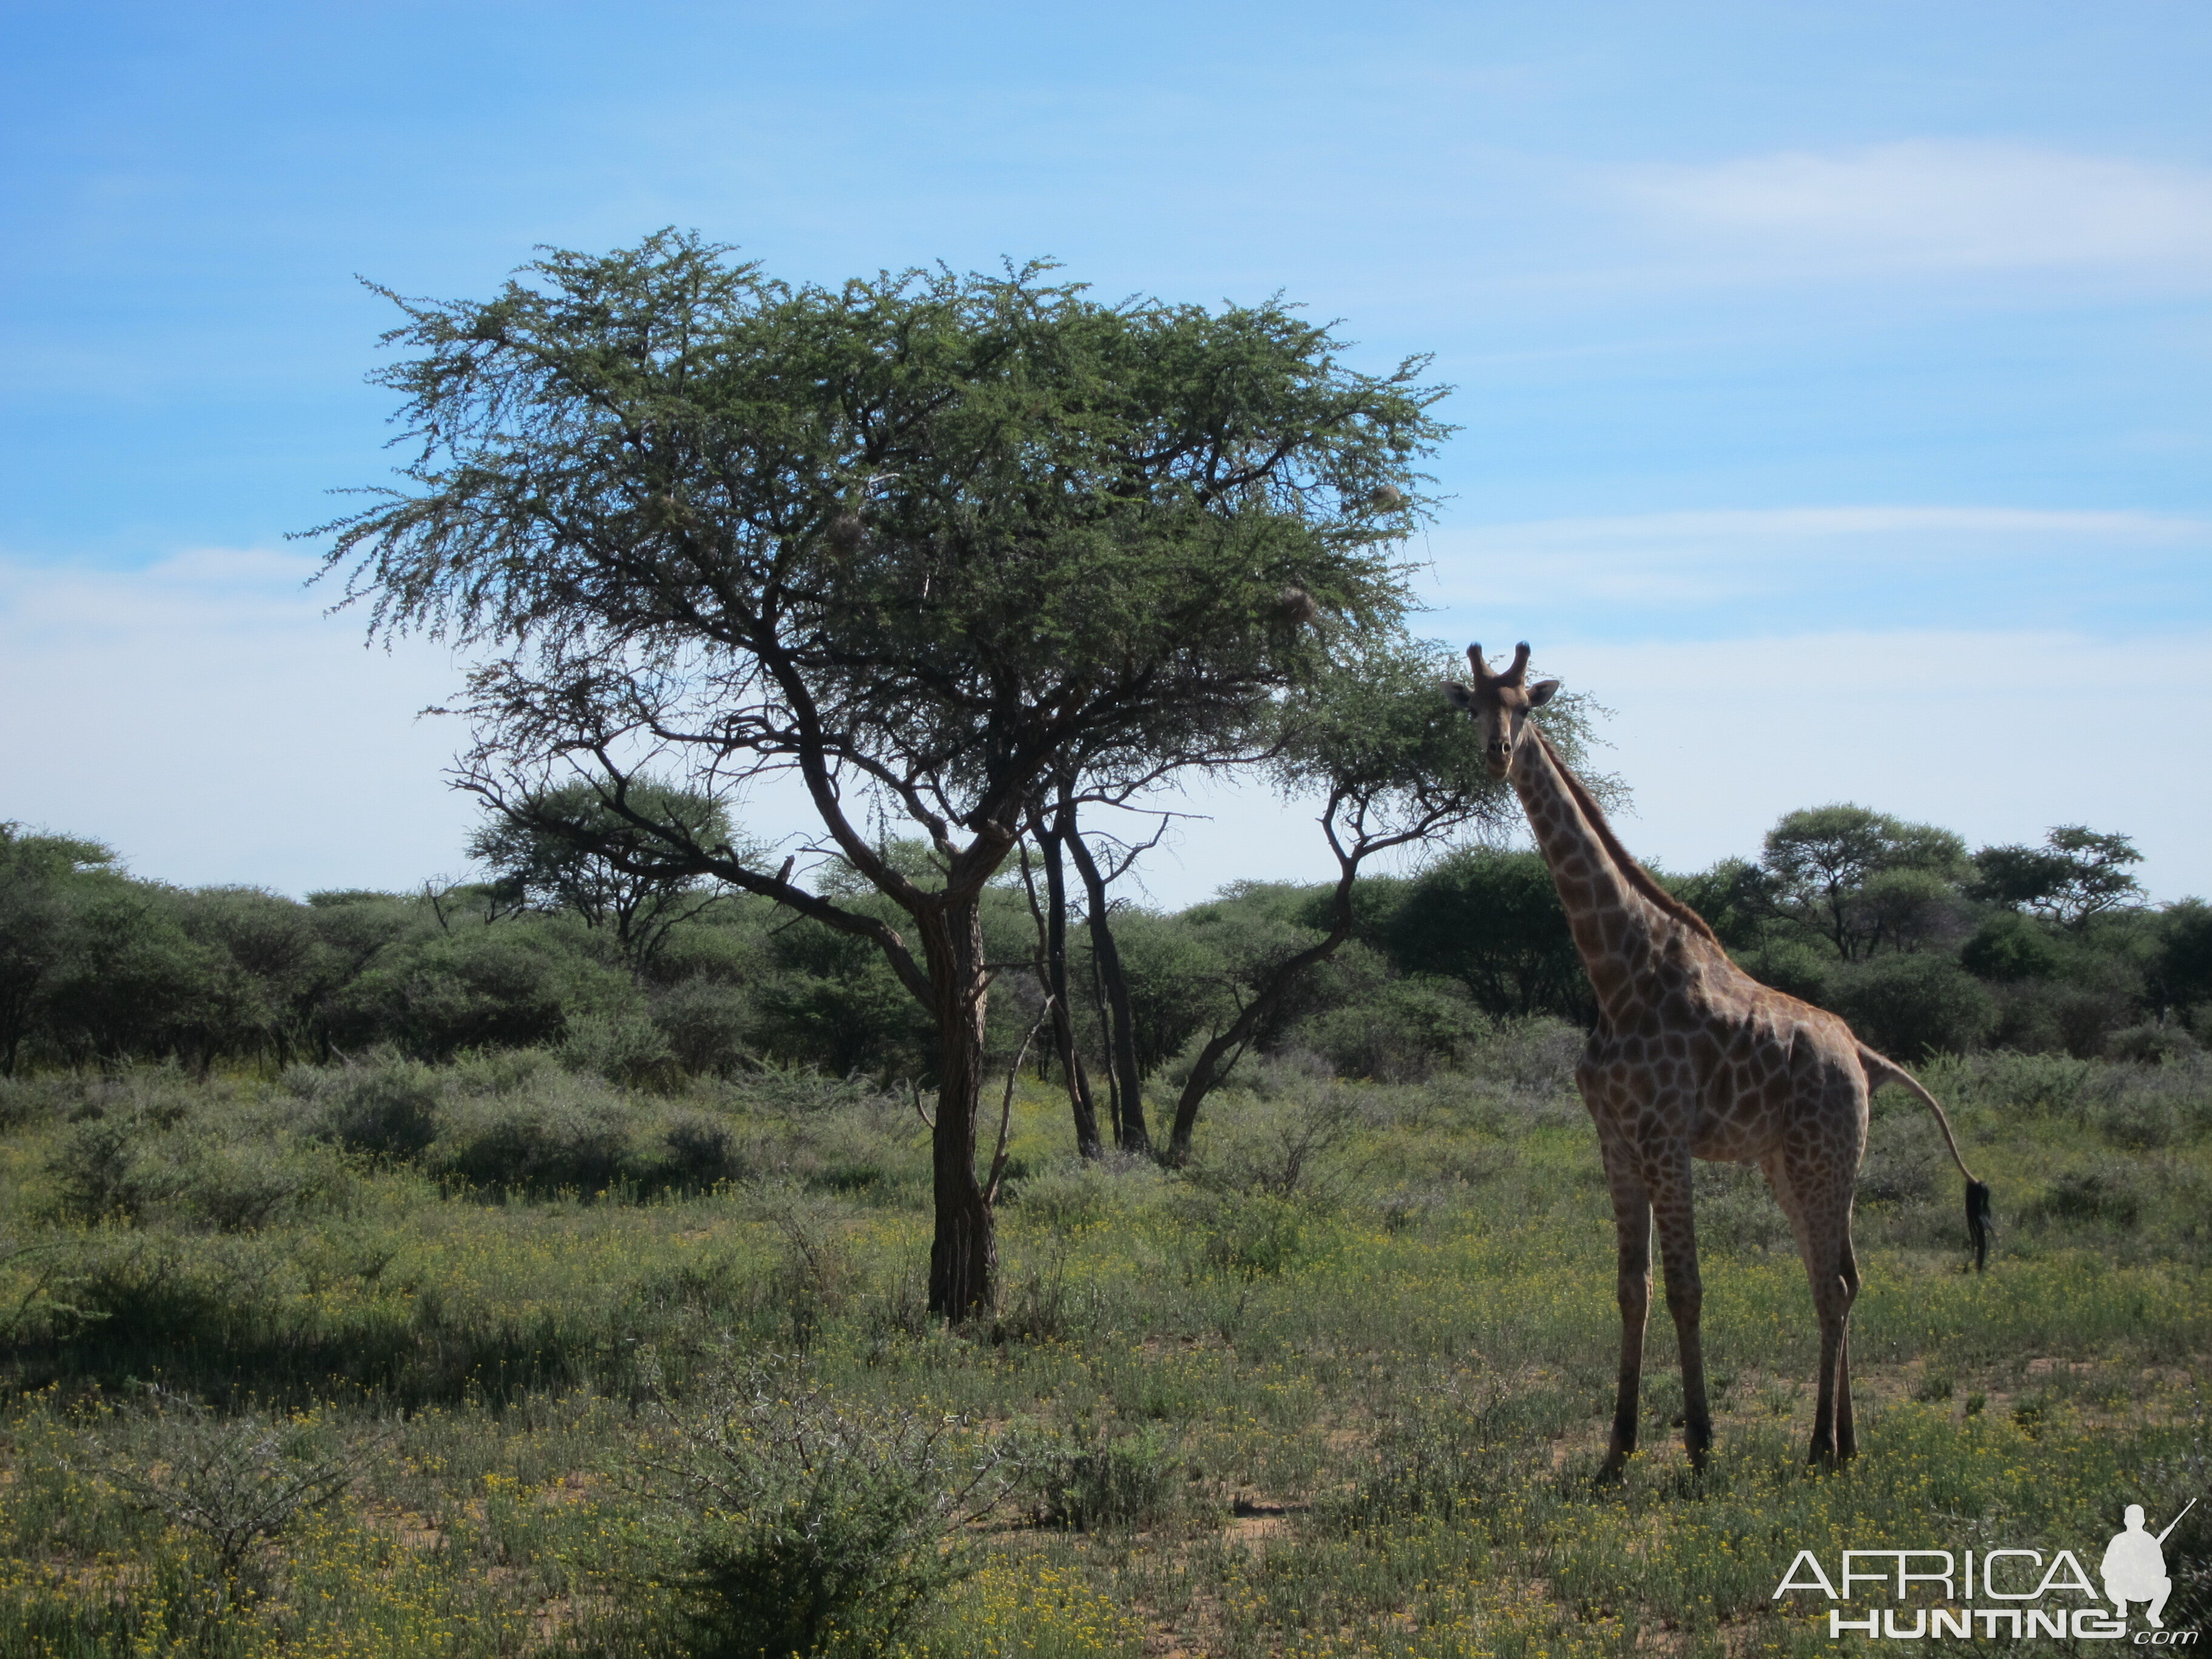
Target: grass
(1339,1388)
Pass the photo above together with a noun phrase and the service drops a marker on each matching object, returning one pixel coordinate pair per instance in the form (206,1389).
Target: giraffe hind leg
(1819,1212)
(1847,1440)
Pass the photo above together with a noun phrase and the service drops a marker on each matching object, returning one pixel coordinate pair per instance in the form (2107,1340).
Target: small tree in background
(574,849)
(1395,764)
(38,875)
(927,542)
(1856,876)
(2075,874)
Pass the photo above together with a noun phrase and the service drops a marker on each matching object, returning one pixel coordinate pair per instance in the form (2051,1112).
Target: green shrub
(2102,1192)
(700,1151)
(621,1045)
(1910,1006)
(1106,1481)
(563,1135)
(789,1521)
(704,1025)
(2009,947)
(232,1170)
(2150,1045)
(1407,1030)
(385,1104)
(1255,1235)
(101,1172)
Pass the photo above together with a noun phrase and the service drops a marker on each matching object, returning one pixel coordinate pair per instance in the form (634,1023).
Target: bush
(790,1522)
(2150,1045)
(2100,1193)
(1534,1056)
(385,1105)
(101,1174)
(2009,947)
(1106,1481)
(564,1134)
(136,1155)
(621,1045)
(234,1481)
(699,1152)
(1912,1005)
(1407,1030)
(704,1026)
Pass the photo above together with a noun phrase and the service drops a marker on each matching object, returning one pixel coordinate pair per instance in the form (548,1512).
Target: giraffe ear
(1541,693)
(1458,695)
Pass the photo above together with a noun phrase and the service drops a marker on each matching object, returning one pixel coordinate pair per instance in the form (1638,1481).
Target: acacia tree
(546,848)
(1846,872)
(1394,763)
(917,539)
(2077,873)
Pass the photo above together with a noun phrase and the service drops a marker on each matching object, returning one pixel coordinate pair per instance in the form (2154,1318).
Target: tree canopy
(932,541)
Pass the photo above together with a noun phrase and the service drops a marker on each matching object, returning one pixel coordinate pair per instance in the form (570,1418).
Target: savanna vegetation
(661,1244)
(495,1356)
(579,1306)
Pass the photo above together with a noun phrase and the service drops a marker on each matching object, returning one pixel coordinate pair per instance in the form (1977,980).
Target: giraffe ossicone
(1692,1058)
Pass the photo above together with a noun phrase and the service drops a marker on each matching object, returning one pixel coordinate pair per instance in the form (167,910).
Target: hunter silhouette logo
(2035,1595)
(2135,1566)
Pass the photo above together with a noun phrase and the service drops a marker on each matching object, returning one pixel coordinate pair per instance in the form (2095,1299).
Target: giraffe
(1692,1058)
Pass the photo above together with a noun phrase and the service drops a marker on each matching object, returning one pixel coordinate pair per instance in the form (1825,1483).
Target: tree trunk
(1063,1017)
(1121,1037)
(964,1254)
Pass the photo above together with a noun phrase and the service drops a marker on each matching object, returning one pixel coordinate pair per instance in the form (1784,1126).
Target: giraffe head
(1498,704)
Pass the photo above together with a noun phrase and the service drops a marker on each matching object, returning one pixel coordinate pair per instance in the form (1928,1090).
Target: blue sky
(1831,379)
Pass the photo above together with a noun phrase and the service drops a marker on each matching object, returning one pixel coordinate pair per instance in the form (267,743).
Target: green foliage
(2075,874)
(1492,919)
(146,1148)
(2009,947)
(513,985)
(1180,981)
(1829,864)
(582,850)
(1400,1032)
(1914,1006)
(1100,1480)
(791,1523)
(38,875)
(2182,971)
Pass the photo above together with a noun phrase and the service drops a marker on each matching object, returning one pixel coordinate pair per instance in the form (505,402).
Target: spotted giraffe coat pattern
(1692,1058)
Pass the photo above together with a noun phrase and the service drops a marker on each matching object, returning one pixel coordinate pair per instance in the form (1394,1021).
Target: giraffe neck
(1617,926)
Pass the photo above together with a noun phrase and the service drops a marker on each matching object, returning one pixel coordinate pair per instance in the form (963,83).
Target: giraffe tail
(1879,1069)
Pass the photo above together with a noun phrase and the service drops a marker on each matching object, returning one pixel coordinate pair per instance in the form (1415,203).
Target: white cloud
(205,718)
(1983,557)
(1931,205)
(1998,736)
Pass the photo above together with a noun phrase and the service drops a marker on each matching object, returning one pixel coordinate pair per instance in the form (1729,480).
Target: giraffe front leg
(1678,1253)
(1631,1216)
